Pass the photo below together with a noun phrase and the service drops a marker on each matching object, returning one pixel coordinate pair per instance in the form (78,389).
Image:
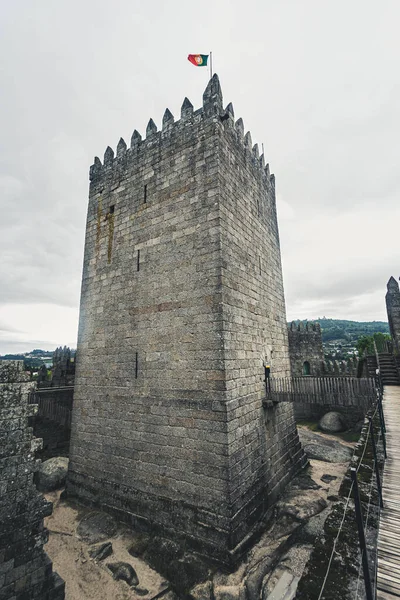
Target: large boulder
(125,572)
(51,474)
(186,572)
(301,506)
(202,591)
(332,422)
(318,447)
(96,527)
(101,551)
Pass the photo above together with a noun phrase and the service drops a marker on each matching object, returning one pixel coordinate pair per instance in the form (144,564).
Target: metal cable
(344,512)
(366,525)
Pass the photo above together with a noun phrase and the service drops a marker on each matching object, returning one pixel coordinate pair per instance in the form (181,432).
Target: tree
(366,343)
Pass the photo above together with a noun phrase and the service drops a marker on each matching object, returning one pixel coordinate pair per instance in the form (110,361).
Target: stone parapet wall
(25,569)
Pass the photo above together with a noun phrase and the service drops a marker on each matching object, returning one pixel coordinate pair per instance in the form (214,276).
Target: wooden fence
(335,391)
(54,404)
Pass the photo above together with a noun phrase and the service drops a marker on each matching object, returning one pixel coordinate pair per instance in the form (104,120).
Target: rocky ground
(129,566)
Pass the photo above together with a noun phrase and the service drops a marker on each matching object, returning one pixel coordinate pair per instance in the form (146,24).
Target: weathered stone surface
(258,569)
(226,592)
(332,422)
(285,588)
(301,506)
(307,533)
(182,305)
(303,481)
(326,478)
(101,551)
(344,580)
(393,311)
(25,569)
(52,473)
(201,591)
(161,553)
(141,591)
(96,527)
(319,448)
(167,557)
(185,572)
(358,426)
(305,349)
(125,572)
(140,544)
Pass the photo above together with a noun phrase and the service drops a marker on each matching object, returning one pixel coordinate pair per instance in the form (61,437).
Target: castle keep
(393,311)
(182,306)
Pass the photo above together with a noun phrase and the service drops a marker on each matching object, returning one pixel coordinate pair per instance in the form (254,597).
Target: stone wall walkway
(389,526)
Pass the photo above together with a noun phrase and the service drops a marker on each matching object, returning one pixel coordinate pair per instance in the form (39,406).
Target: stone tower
(393,311)
(182,303)
(305,349)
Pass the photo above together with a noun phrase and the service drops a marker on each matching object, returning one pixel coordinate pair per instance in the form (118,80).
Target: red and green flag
(198,60)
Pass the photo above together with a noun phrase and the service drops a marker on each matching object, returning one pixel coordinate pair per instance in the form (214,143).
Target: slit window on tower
(145,194)
(138,260)
(136,366)
(112,208)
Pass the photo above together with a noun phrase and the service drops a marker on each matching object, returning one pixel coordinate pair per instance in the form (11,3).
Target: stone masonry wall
(393,311)
(168,428)
(305,345)
(25,569)
(264,450)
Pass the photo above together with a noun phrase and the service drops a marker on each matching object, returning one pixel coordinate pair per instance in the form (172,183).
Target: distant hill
(33,359)
(351,331)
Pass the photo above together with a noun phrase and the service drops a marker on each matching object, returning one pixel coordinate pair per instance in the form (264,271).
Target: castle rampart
(25,569)
(182,306)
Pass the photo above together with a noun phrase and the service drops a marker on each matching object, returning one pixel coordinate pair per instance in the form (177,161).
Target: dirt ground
(85,578)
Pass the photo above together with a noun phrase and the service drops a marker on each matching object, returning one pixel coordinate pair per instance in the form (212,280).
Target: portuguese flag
(198,60)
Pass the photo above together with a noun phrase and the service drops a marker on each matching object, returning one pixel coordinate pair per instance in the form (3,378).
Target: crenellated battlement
(309,327)
(211,109)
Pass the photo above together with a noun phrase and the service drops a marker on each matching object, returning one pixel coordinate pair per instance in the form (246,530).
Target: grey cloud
(5,328)
(80,75)
(10,346)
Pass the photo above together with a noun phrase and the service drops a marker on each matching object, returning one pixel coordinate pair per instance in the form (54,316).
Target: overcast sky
(318,82)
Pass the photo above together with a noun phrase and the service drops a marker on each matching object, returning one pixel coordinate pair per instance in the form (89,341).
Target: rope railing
(353,493)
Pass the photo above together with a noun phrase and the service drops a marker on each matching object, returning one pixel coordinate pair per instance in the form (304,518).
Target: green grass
(348,436)
(312,425)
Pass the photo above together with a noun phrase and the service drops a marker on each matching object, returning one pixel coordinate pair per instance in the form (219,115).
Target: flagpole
(210,64)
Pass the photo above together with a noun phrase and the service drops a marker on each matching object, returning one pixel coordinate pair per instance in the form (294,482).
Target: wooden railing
(54,404)
(339,391)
